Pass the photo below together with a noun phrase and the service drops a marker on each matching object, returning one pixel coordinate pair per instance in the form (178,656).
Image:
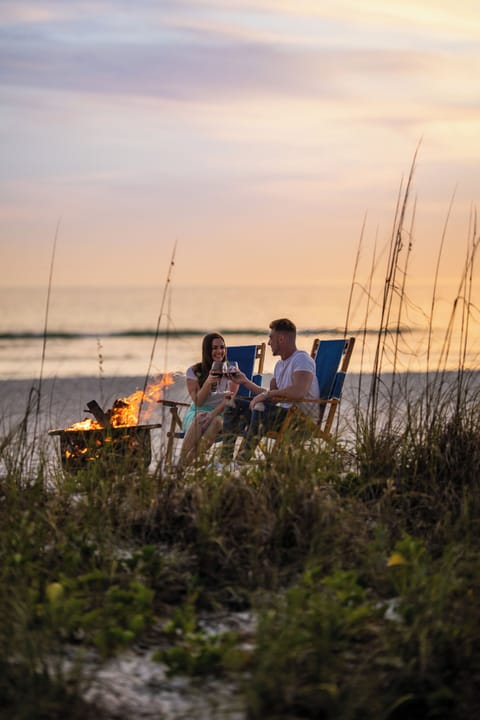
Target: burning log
(100,416)
(120,414)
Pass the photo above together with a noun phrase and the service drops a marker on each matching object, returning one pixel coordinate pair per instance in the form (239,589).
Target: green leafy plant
(194,651)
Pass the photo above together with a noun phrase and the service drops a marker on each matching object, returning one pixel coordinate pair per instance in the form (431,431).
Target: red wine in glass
(217,372)
(232,368)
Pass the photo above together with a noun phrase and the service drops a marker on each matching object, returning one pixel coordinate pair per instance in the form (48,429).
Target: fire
(70,454)
(125,411)
(87,424)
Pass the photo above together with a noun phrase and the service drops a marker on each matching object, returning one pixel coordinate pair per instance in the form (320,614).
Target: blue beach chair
(332,358)
(250,360)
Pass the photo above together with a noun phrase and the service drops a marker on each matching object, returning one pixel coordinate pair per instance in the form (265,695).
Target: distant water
(120,332)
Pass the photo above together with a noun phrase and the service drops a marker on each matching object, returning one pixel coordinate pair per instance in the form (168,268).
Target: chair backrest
(246,356)
(331,360)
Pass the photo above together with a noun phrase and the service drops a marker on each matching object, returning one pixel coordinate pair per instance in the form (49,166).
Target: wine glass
(232,368)
(217,372)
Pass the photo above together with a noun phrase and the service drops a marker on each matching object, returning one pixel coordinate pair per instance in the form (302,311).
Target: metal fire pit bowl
(125,448)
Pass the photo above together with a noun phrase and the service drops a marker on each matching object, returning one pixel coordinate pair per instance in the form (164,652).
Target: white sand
(64,401)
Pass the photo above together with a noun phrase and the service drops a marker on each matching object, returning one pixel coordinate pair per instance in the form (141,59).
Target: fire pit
(127,447)
(114,438)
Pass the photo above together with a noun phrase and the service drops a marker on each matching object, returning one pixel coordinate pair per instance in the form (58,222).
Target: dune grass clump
(255,531)
(425,474)
(359,563)
(92,562)
(33,683)
(400,644)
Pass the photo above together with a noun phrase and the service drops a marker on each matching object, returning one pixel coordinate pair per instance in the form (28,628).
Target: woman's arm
(197,393)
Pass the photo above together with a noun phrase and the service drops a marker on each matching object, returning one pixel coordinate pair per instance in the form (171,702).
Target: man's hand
(261,397)
(239,378)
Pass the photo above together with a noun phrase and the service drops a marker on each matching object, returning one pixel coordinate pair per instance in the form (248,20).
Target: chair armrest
(317,401)
(173,403)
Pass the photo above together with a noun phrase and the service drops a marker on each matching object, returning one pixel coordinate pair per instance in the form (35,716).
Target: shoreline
(64,399)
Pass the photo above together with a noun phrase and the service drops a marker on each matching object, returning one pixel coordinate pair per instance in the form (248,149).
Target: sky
(258,140)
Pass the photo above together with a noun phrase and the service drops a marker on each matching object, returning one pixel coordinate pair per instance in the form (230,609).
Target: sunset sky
(258,135)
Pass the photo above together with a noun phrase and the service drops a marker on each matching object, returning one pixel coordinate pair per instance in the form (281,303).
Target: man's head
(282,337)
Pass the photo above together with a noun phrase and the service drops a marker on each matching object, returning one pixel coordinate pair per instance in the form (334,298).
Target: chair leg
(174,423)
(330,417)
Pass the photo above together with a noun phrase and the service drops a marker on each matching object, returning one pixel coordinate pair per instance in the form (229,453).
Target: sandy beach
(64,401)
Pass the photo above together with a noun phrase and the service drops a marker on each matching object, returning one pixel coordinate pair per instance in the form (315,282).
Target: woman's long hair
(202,369)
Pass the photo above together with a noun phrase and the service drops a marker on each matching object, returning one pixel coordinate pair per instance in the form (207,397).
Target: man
(293,378)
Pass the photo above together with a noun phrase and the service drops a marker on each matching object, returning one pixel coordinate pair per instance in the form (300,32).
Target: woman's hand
(204,418)
(211,382)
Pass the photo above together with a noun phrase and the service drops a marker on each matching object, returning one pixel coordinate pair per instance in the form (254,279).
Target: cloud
(219,52)
(202,70)
(239,119)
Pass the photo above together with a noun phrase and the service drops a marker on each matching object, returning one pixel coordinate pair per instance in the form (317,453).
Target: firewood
(97,412)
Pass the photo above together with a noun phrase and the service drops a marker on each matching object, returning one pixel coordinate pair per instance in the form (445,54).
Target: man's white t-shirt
(283,372)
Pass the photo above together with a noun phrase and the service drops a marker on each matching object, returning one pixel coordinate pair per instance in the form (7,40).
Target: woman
(203,419)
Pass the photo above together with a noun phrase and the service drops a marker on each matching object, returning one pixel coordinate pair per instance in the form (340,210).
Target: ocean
(120,332)
(113,331)
(106,343)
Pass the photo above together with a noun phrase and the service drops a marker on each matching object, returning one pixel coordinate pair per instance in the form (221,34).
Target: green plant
(194,651)
(308,644)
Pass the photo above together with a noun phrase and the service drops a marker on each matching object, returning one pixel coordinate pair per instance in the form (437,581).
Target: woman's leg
(197,439)
(213,429)
(190,443)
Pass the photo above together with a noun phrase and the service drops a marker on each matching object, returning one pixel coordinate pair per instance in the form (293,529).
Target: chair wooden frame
(332,358)
(250,360)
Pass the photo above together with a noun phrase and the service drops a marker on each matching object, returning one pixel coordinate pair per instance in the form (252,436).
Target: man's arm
(241,379)
(302,379)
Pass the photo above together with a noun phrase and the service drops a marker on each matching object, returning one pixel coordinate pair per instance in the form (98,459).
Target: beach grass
(358,561)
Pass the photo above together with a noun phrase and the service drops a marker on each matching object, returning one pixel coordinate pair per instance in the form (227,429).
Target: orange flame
(87,424)
(79,451)
(125,411)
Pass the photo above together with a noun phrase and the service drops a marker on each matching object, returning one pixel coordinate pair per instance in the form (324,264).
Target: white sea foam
(113,331)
